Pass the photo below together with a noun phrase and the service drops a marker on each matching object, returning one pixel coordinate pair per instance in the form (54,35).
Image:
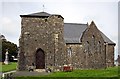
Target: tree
(12,49)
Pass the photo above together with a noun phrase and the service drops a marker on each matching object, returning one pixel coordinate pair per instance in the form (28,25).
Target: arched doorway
(40,59)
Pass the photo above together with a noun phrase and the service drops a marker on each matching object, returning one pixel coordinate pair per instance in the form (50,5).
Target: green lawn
(9,67)
(109,72)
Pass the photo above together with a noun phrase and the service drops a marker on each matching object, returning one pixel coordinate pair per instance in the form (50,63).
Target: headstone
(6,57)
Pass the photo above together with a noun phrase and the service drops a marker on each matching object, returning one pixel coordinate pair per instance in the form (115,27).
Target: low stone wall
(8,75)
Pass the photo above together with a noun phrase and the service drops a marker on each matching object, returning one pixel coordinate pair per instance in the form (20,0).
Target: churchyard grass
(103,73)
(9,67)
(0,66)
(110,72)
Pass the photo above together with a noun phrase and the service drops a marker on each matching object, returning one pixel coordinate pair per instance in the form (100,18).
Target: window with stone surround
(93,41)
(69,50)
(88,47)
(99,47)
(45,19)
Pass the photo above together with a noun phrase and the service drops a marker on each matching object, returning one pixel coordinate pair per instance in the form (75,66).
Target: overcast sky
(104,13)
(119,27)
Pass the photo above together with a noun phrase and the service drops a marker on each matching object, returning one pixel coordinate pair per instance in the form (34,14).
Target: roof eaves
(106,39)
(39,14)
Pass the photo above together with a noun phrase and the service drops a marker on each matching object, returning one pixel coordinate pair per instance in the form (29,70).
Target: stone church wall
(41,33)
(93,48)
(47,34)
(76,55)
(109,55)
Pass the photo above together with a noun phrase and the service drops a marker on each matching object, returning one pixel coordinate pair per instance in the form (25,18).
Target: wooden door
(40,59)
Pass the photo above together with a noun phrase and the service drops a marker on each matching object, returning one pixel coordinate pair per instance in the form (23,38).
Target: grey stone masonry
(47,42)
(41,33)
(93,48)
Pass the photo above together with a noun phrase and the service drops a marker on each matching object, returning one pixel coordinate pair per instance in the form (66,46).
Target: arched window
(88,50)
(69,50)
(93,41)
(99,46)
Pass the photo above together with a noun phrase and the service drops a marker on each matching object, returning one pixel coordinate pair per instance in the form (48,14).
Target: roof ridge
(39,12)
(76,23)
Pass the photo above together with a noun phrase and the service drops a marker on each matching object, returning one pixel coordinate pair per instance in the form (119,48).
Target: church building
(46,41)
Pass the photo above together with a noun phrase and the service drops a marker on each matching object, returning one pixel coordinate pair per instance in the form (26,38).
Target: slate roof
(40,14)
(106,39)
(73,33)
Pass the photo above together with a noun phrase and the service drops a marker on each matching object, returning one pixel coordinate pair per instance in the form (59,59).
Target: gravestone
(6,57)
